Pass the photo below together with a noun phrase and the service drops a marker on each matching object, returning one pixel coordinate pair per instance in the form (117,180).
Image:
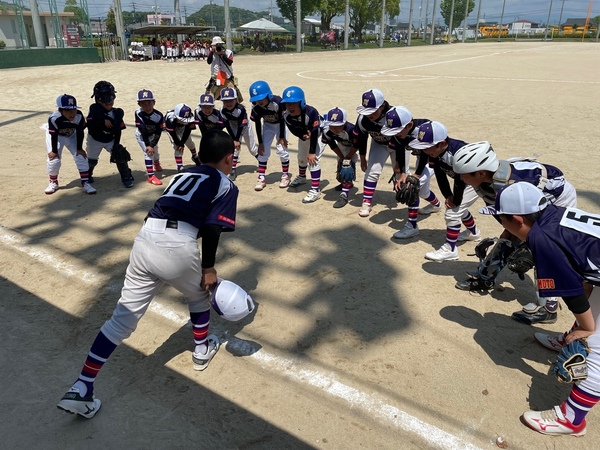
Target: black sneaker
(341,201)
(73,403)
(127,182)
(474,285)
(196,159)
(540,316)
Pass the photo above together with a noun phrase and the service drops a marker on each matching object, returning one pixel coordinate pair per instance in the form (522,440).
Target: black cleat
(540,316)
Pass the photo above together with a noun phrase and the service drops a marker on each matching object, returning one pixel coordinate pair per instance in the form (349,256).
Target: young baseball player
(371,119)
(236,122)
(402,129)
(206,116)
(338,135)
(433,141)
(267,115)
(198,202)
(179,123)
(304,122)
(149,124)
(66,129)
(565,243)
(478,166)
(105,124)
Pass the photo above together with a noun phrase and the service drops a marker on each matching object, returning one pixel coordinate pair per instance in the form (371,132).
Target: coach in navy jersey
(565,243)
(198,203)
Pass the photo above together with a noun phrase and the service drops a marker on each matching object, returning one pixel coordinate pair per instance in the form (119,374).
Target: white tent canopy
(263,25)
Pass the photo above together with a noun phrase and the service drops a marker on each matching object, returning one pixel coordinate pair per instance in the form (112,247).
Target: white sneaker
(365,210)
(407,232)
(443,254)
(312,196)
(51,189)
(285,180)
(553,421)
(466,235)
(88,189)
(260,184)
(73,403)
(201,360)
(551,341)
(298,181)
(426,210)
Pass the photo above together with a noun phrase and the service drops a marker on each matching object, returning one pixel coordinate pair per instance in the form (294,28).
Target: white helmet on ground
(474,157)
(230,301)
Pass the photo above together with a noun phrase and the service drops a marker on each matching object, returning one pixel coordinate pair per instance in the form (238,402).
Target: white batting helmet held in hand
(475,157)
(230,301)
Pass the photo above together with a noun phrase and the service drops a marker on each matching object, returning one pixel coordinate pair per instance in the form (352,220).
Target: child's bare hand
(52,156)
(108,123)
(149,151)
(82,153)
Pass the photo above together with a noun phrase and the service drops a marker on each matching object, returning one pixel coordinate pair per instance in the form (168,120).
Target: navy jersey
(97,128)
(344,139)
(548,178)
(59,125)
(149,126)
(236,120)
(214,121)
(179,132)
(400,146)
(272,113)
(442,166)
(565,243)
(200,196)
(300,125)
(365,127)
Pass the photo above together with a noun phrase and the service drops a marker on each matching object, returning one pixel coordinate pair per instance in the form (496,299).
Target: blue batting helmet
(260,89)
(293,94)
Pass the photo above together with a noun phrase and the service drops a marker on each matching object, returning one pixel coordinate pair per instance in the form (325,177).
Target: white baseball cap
(517,199)
(428,135)
(371,101)
(396,120)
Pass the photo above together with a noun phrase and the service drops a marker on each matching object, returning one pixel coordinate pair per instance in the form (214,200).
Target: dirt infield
(358,341)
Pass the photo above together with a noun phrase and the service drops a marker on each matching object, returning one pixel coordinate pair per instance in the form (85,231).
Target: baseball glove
(346,172)
(408,192)
(571,364)
(119,155)
(520,260)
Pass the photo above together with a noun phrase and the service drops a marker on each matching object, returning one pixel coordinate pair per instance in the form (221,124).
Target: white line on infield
(371,405)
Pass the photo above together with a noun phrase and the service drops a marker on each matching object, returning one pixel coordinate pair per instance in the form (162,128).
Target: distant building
(9,29)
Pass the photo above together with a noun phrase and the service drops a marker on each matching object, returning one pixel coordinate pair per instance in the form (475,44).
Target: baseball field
(357,341)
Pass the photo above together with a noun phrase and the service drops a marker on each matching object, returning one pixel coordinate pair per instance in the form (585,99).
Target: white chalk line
(373,406)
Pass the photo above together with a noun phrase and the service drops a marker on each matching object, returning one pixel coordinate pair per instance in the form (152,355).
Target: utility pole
(464,36)
(548,21)
(501,20)
(433,22)
(410,20)
(560,18)
(426,17)
(451,20)
(478,16)
(382,26)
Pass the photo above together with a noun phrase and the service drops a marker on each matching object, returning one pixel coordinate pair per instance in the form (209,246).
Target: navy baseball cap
(336,117)
(184,113)
(517,199)
(145,94)
(206,100)
(396,120)
(428,135)
(371,101)
(66,101)
(228,94)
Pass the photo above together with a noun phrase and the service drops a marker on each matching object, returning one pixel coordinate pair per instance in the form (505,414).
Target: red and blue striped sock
(99,353)
(200,322)
(579,403)
(315,180)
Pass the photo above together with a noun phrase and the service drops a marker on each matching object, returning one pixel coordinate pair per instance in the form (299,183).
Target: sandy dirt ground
(358,341)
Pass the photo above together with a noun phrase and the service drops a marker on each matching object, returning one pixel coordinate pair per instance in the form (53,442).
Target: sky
(534,10)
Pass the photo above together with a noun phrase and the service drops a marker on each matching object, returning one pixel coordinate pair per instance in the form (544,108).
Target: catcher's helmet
(145,94)
(66,101)
(104,92)
(293,94)
(184,113)
(230,301)
(259,90)
(476,156)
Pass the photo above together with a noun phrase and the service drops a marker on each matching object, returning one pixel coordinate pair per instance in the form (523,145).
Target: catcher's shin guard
(490,264)
(124,171)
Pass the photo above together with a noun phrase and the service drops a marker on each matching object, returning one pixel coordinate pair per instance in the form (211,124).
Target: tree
(364,12)
(80,16)
(288,8)
(459,10)
(111,23)
(328,10)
